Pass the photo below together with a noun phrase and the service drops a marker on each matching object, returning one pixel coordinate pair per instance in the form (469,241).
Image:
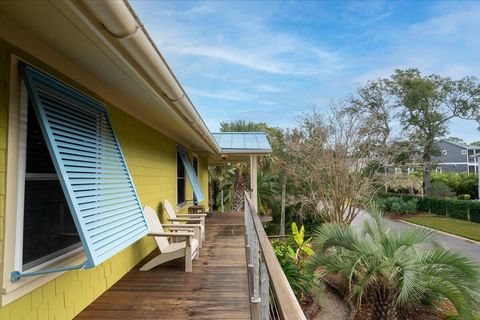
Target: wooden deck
(216,289)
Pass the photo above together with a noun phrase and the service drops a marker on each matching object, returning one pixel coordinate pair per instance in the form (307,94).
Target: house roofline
(125,28)
(468,147)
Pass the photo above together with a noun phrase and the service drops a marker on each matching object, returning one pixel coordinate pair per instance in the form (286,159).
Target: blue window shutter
(197,188)
(90,166)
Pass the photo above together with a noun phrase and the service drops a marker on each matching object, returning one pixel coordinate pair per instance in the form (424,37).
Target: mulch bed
(365,312)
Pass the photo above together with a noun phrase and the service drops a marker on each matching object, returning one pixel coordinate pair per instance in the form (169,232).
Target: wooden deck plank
(216,289)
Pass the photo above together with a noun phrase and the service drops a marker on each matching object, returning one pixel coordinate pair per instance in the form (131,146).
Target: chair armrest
(186,219)
(181,226)
(193,215)
(171,234)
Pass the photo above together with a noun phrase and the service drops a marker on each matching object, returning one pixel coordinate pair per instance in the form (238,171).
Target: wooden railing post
(265,290)
(268,285)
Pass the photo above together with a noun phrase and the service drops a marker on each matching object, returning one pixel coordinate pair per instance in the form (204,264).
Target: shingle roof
(243,142)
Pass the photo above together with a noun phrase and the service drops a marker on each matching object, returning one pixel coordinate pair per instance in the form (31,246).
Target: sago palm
(398,270)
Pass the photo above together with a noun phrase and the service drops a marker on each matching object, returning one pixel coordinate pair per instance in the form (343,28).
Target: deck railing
(271,296)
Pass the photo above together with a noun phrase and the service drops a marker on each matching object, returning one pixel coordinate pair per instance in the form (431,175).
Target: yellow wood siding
(151,158)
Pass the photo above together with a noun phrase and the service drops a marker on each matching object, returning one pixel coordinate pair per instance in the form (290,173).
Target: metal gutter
(126,30)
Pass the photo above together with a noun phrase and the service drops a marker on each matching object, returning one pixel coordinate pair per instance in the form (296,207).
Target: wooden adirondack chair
(191,219)
(189,248)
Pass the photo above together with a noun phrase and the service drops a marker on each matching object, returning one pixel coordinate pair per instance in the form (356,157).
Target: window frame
(444,152)
(464,152)
(14,191)
(177,162)
(23,176)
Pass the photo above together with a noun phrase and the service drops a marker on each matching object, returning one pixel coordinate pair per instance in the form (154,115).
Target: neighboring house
(93,125)
(455,157)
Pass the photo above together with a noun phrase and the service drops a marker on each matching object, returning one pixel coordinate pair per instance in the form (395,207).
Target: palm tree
(221,178)
(268,190)
(239,185)
(399,270)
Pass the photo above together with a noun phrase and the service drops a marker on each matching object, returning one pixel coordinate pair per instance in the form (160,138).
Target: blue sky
(270,61)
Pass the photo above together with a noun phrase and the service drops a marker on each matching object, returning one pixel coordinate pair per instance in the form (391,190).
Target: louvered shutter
(192,176)
(90,166)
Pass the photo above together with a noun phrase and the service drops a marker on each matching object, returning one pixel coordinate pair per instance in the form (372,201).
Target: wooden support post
(222,208)
(253,180)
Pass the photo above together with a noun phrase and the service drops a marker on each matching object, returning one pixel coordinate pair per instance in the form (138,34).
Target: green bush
(439,189)
(464,197)
(462,183)
(454,208)
(397,205)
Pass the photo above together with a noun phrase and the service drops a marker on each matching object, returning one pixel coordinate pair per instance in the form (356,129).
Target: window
(48,227)
(472,169)
(195,168)
(180,181)
(438,169)
(444,152)
(191,173)
(464,151)
(68,185)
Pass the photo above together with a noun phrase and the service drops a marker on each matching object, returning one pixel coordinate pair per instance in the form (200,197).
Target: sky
(270,61)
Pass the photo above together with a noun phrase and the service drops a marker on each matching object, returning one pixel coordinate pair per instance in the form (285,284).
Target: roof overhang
(101,46)
(240,146)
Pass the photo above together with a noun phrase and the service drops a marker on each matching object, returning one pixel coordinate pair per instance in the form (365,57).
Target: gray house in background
(456,157)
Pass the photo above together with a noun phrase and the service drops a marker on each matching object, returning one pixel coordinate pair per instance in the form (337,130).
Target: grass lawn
(462,228)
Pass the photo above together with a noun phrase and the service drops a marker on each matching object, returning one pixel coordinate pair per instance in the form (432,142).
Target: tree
(456,140)
(327,159)
(395,268)
(426,104)
(374,105)
(475,143)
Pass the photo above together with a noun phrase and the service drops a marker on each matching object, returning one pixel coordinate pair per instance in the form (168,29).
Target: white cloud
(237,37)
(267,88)
(230,95)
(366,12)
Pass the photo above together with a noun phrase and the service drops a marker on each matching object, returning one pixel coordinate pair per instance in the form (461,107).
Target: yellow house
(82,80)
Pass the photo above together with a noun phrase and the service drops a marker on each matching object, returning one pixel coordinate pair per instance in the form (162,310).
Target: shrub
(398,205)
(454,208)
(399,270)
(439,189)
(292,254)
(462,183)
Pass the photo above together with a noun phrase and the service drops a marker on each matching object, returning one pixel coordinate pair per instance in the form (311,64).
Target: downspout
(121,23)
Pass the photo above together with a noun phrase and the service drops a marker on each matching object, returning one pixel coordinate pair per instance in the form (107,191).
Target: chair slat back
(155,226)
(167,206)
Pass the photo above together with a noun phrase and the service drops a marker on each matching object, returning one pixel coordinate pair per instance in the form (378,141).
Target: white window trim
(444,152)
(464,151)
(13,237)
(438,170)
